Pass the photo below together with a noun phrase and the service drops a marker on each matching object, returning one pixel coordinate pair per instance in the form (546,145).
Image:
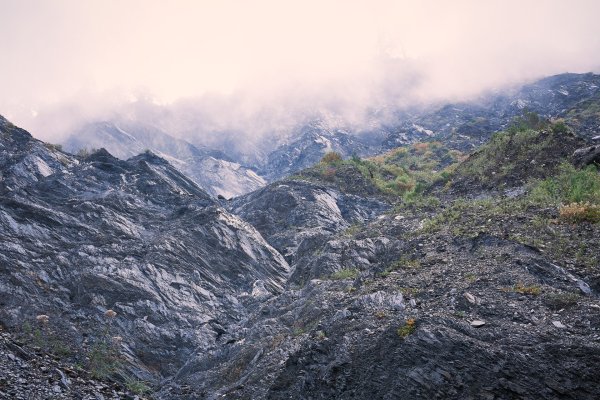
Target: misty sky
(55,52)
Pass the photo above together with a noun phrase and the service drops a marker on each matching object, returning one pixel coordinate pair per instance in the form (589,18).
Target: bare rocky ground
(485,294)
(493,317)
(30,373)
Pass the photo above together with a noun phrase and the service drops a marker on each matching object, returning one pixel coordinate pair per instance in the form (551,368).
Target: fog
(258,67)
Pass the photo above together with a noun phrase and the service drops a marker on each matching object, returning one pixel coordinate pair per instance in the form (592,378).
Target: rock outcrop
(135,236)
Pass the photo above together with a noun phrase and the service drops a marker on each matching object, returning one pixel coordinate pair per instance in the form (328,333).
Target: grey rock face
(134,236)
(586,156)
(24,160)
(292,212)
(340,338)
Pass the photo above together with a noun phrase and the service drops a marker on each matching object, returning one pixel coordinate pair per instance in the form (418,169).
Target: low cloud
(258,68)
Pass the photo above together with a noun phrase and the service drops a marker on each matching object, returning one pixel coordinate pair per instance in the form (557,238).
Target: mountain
(442,268)
(449,294)
(469,124)
(244,163)
(211,170)
(83,236)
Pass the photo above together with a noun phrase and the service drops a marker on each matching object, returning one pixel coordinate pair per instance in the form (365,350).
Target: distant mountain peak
(130,140)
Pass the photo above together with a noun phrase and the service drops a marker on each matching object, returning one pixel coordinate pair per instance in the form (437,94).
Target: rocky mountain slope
(459,298)
(212,170)
(79,237)
(424,272)
(467,125)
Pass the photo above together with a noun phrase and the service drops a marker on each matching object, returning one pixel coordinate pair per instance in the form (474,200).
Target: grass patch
(575,192)
(527,149)
(403,263)
(580,212)
(532,290)
(569,185)
(346,273)
(409,291)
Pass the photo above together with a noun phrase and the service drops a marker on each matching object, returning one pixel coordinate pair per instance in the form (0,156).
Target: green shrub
(559,126)
(529,120)
(408,328)
(533,290)
(137,386)
(103,359)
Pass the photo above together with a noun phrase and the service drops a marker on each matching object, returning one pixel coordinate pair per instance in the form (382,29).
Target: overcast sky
(54,51)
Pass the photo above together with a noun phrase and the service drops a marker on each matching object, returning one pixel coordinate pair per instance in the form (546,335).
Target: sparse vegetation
(403,263)
(53,147)
(137,386)
(527,122)
(331,158)
(409,291)
(352,230)
(580,212)
(520,153)
(569,185)
(85,152)
(104,355)
(559,301)
(104,359)
(42,335)
(407,329)
(403,173)
(559,126)
(525,289)
(346,273)
(521,288)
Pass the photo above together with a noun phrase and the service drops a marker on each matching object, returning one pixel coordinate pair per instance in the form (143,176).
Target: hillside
(81,237)
(446,295)
(424,271)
